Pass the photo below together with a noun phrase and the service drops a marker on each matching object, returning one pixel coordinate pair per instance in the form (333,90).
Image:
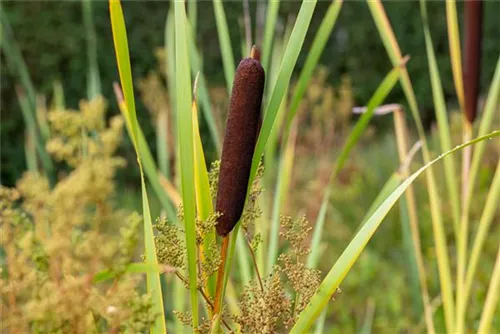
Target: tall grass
(277,141)
(192,155)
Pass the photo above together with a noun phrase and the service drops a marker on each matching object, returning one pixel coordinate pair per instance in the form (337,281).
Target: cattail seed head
(472,58)
(239,142)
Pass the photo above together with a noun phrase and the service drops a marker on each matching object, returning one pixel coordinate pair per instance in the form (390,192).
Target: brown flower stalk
(237,152)
(472,59)
(239,142)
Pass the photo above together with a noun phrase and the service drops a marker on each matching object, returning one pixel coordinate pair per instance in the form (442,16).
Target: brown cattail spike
(472,57)
(239,142)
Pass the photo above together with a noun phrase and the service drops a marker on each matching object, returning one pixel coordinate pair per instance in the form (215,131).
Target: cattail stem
(462,241)
(237,154)
(401,130)
(219,291)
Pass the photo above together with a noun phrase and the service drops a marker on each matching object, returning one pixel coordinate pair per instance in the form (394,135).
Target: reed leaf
(93,77)
(186,148)
(289,60)
(491,302)
(225,44)
(390,43)
(455,50)
(202,189)
(347,259)
(319,43)
(442,118)
(269,31)
(128,109)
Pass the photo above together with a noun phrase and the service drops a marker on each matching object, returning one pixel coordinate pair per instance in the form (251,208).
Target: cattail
(471,67)
(239,141)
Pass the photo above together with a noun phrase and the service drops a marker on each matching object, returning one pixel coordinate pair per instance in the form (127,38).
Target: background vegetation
(351,50)
(381,293)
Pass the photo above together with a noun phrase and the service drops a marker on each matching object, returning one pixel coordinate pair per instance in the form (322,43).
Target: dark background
(52,40)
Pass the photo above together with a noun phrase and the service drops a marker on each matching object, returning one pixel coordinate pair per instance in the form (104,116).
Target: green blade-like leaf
(186,147)
(320,40)
(93,77)
(316,249)
(147,161)
(202,90)
(289,60)
(389,186)
(491,302)
(225,44)
(378,97)
(202,189)
(123,60)
(340,269)
(269,31)
(193,15)
(394,53)
(162,142)
(282,189)
(489,211)
(128,108)
(490,108)
(455,51)
(17,65)
(320,324)
(14,57)
(442,118)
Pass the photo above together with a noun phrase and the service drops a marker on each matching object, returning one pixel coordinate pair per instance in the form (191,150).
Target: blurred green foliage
(51,37)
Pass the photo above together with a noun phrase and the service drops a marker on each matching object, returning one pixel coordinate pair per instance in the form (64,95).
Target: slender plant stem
(455,54)
(220,276)
(491,299)
(462,241)
(252,253)
(401,131)
(467,153)
(203,294)
(490,208)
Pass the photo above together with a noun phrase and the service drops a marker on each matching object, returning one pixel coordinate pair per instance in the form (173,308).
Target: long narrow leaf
(442,118)
(202,190)
(269,31)
(491,302)
(489,211)
(455,53)
(394,53)
(282,189)
(186,147)
(340,269)
(147,161)
(225,44)
(491,107)
(203,97)
(93,77)
(128,108)
(319,43)
(14,57)
(289,60)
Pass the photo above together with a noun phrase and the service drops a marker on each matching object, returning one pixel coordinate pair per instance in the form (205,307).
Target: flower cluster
(63,269)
